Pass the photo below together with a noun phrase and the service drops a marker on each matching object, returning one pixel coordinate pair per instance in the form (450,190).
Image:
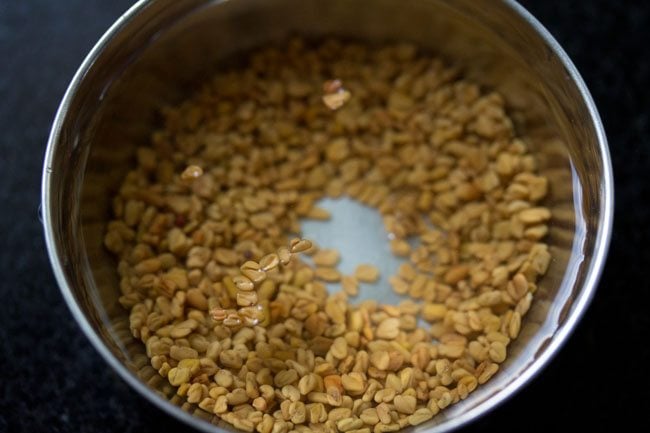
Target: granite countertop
(51,379)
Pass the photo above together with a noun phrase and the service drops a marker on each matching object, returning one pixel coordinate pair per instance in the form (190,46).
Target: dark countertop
(51,379)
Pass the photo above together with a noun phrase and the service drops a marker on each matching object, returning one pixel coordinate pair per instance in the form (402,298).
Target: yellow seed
(405,403)
(419,416)
(350,285)
(243,283)
(299,245)
(388,329)
(367,273)
(534,215)
(284,255)
(256,276)
(330,275)
(191,172)
(380,359)
(268,262)
(432,312)
(326,257)
(400,247)
(246,299)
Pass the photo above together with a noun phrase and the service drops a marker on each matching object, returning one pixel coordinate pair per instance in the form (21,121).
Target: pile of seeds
(225,184)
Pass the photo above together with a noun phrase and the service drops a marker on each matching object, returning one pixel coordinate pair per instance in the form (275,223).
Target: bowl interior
(157,54)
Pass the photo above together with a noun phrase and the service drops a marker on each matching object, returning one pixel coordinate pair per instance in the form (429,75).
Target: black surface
(51,379)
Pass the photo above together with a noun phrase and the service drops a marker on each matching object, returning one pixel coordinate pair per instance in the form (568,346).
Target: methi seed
(248,331)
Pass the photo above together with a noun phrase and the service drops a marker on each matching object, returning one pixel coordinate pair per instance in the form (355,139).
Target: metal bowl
(157,50)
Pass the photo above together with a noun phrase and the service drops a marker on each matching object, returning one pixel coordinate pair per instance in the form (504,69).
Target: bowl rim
(582,301)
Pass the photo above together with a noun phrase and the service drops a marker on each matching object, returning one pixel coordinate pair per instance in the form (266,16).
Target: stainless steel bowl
(155,52)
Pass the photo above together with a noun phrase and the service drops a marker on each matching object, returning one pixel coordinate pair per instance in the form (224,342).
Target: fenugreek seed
(256,276)
(405,403)
(383,413)
(369,416)
(367,273)
(488,372)
(497,351)
(445,400)
(388,329)
(299,245)
(326,257)
(268,262)
(230,359)
(179,353)
(385,395)
(237,396)
(284,255)
(243,283)
(456,274)
(207,404)
(307,383)
(354,383)
(400,286)
(433,312)
(178,376)
(515,325)
(232,320)
(380,359)
(400,247)
(339,413)
(285,377)
(350,285)
(419,416)
(183,329)
(519,286)
(243,424)
(339,348)
(246,299)
(349,424)
(330,275)
(534,215)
